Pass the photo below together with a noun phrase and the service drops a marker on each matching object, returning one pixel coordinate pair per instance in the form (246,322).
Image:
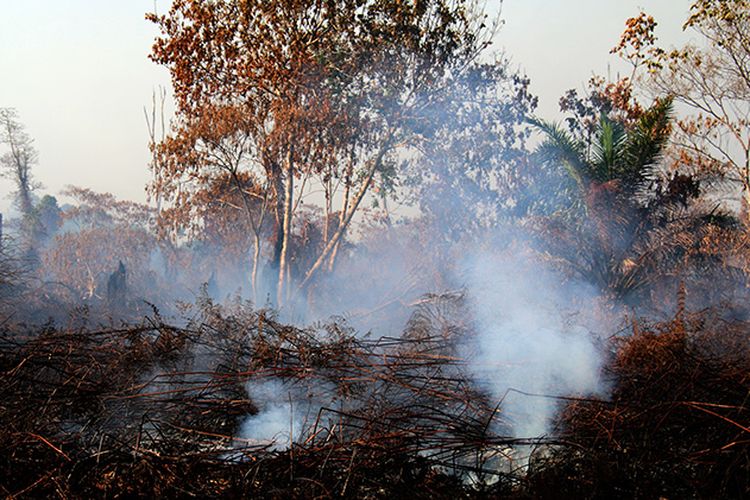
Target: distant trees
(49,216)
(344,95)
(14,275)
(103,233)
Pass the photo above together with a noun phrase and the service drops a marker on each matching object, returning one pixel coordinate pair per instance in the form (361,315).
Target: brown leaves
(638,43)
(710,78)
(704,12)
(102,231)
(341,91)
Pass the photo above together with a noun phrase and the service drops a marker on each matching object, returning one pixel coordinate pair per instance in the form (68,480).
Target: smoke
(375,282)
(531,342)
(527,348)
(275,422)
(286,409)
(532,339)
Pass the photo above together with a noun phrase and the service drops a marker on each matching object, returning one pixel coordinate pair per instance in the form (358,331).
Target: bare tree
(711,79)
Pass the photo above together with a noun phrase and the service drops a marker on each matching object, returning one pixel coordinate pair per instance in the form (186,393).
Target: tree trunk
(256,259)
(327,216)
(278,189)
(287,229)
(374,167)
(344,209)
(257,227)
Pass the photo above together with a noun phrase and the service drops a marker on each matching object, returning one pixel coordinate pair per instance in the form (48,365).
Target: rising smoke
(276,422)
(528,347)
(530,342)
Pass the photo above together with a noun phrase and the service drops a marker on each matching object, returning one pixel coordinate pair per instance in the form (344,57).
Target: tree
(14,275)
(16,165)
(103,232)
(622,228)
(474,171)
(712,79)
(614,153)
(215,188)
(228,218)
(49,216)
(349,92)
(244,108)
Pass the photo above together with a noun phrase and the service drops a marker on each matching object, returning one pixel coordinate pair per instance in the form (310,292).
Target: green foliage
(623,227)
(49,215)
(614,153)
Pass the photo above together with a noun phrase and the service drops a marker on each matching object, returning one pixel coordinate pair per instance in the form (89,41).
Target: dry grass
(677,424)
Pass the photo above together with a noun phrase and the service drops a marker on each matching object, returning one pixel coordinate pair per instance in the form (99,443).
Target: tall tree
(16,165)
(350,90)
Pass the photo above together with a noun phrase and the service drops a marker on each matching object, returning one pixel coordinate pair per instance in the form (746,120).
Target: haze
(78,74)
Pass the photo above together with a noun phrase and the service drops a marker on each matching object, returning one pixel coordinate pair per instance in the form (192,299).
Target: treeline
(299,128)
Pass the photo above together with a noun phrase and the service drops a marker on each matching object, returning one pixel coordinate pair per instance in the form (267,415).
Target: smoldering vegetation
(517,380)
(563,318)
(548,355)
(208,410)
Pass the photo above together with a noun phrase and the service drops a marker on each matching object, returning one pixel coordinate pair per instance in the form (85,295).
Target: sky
(78,74)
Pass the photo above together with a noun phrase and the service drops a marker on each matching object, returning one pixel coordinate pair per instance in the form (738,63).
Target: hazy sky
(78,74)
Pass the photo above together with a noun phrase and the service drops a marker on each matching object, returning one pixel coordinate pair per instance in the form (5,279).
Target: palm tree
(622,156)
(614,230)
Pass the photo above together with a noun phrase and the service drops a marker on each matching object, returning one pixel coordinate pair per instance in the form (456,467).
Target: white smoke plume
(286,410)
(526,343)
(276,422)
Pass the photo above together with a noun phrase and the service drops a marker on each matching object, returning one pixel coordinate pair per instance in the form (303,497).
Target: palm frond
(607,151)
(559,146)
(647,140)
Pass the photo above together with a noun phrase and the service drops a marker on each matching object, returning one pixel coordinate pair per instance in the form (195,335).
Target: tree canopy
(352,93)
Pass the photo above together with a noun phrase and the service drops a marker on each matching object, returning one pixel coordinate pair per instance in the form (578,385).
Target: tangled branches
(677,424)
(158,410)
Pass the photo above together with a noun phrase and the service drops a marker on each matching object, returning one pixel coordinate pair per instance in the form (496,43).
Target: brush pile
(154,410)
(677,424)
